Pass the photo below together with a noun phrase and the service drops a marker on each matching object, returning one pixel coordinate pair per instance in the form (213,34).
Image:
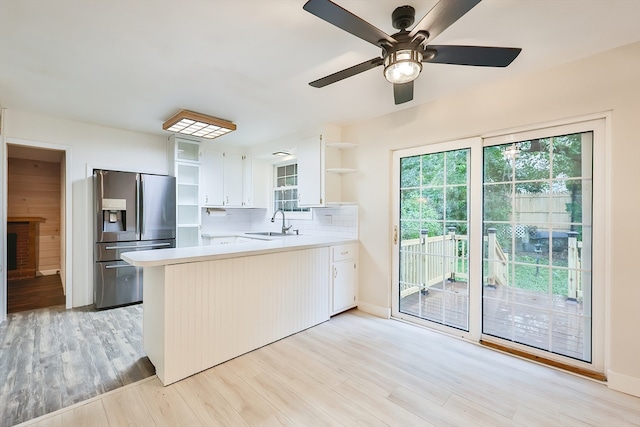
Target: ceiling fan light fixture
(197,124)
(402,66)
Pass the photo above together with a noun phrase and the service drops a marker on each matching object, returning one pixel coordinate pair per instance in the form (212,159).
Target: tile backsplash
(334,221)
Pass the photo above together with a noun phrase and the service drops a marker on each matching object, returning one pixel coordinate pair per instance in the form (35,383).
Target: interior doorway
(36,225)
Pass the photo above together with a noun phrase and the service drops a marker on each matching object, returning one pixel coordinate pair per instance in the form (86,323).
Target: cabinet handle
(335,272)
(395,235)
(344,252)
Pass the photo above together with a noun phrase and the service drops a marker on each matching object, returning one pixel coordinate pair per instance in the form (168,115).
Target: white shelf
(342,145)
(341,170)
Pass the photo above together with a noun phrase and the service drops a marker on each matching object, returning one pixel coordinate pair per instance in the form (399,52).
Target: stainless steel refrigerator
(133,212)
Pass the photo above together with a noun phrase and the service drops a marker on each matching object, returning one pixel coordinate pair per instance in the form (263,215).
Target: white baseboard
(376,310)
(47,272)
(623,383)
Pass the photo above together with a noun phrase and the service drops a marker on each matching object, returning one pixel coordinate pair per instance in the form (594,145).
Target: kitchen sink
(269,233)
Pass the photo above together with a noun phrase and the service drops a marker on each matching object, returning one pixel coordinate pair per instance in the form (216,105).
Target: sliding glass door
(494,240)
(537,243)
(433,236)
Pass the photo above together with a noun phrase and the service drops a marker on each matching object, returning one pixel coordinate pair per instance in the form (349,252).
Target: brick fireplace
(22,247)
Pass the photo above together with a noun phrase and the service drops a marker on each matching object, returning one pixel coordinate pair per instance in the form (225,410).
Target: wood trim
(25,219)
(192,115)
(546,361)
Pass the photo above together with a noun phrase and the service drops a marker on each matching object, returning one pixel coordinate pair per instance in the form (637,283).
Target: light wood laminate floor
(361,370)
(52,358)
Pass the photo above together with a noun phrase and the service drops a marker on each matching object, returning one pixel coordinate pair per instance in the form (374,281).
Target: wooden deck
(543,321)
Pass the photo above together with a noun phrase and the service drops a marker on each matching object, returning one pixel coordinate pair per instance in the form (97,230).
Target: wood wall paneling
(34,189)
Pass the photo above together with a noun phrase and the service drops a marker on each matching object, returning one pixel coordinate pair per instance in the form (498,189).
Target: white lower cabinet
(344,277)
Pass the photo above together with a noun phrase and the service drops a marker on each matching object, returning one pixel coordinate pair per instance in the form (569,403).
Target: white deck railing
(497,261)
(427,261)
(430,260)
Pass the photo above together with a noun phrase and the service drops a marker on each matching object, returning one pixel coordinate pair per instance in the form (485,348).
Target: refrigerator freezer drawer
(113,251)
(116,283)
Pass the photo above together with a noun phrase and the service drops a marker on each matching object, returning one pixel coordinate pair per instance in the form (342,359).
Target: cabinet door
(311,172)
(233,179)
(247,181)
(211,187)
(345,280)
(187,151)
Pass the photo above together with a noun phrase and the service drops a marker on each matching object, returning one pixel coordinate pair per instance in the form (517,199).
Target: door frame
(66,264)
(601,223)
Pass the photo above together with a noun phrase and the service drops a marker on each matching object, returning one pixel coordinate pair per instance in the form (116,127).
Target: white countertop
(212,252)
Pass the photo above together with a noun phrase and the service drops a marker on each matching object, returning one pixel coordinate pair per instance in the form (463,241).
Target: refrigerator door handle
(154,245)
(140,198)
(118,266)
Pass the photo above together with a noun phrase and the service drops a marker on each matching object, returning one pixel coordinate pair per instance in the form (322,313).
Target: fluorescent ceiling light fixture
(281,153)
(402,66)
(196,124)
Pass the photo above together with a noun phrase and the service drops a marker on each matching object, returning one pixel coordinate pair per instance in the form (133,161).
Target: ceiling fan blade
(348,72)
(442,15)
(481,56)
(342,18)
(403,92)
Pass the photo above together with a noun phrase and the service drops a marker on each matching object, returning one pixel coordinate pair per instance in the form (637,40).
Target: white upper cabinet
(247,182)
(232,182)
(311,172)
(211,192)
(226,180)
(320,171)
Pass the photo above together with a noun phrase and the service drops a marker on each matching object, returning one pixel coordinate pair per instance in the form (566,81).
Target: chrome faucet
(273,219)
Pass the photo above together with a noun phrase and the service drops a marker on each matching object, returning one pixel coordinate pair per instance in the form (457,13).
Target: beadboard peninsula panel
(198,315)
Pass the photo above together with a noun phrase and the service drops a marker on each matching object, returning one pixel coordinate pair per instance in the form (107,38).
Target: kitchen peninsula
(205,305)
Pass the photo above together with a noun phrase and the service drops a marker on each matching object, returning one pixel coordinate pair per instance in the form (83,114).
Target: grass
(533,277)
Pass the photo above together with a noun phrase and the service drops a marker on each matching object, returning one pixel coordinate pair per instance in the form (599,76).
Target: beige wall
(604,82)
(91,147)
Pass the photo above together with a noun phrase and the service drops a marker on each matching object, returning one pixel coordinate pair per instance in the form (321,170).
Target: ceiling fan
(404,52)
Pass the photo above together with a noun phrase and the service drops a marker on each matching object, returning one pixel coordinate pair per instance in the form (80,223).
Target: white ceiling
(132,64)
